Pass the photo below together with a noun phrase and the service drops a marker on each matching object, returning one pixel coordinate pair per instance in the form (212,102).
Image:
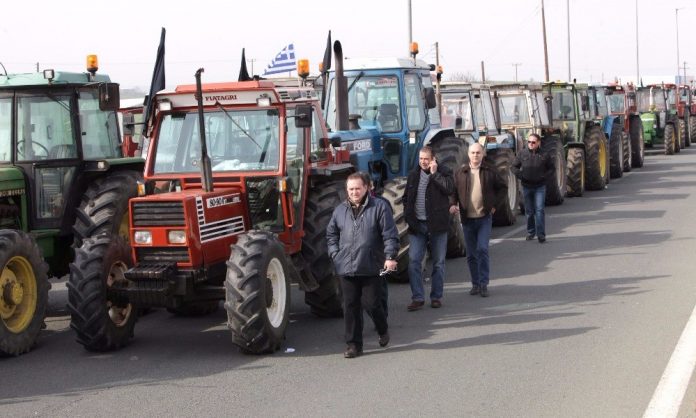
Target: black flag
(325,67)
(243,73)
(158,80)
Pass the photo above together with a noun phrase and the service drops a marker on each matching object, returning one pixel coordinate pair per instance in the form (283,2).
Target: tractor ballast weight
(63,182)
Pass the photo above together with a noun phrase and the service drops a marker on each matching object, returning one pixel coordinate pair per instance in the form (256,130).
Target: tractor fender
(435,135)
(608,124)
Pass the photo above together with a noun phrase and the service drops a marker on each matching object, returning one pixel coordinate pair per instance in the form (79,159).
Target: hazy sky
(211,34)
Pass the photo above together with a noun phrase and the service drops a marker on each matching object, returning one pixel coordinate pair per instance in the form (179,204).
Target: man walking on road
(479,189)
(362,238)
(533,167)
(426,203)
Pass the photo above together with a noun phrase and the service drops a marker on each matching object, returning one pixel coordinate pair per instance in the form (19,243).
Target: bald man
(479,188)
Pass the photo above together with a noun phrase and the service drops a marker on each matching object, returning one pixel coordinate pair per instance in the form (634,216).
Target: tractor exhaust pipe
(206,169)
(341,90)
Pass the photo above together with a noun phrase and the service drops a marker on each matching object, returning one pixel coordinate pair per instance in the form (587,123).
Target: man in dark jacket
(533,167)
(426,208)
(362,239)
(479,189)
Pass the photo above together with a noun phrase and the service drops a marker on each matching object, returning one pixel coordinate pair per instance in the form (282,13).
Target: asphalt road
(583,325)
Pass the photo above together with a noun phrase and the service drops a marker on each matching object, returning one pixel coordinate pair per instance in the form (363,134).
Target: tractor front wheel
(596,158)
(555,185)
(257,293)
(576,171)
(23,292)
(616,152)
(393,192)
(637,142)
(670,137)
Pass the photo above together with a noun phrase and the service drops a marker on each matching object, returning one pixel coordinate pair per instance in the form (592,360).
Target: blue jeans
(477,233)
(534,198)
(418,241)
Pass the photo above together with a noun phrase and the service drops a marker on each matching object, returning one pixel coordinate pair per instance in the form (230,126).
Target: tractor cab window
(99,129)
(237,140)
(415,102)
(650,100)
(513,109)
(320,145)
(489,116)
(44,128)
(540,109)
(295,161)
(456,111)
(601,98)
(563,105)
(5,129)
(616,102)
(433,114)
(374,98)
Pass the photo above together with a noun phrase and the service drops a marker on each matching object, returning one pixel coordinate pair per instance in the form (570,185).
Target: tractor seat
(388,116)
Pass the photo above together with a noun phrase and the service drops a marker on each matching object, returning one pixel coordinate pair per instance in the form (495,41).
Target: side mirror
(303,116)
(109,97)
(430,101)
(128,124)
(336,141)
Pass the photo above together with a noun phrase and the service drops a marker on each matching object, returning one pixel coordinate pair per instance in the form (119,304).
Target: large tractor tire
(637,142)
(326,300)
(506,213)
(101,324)
(627,152)
(670,136)
(257,293)
(616,152)
(452,153)
(104,206)
(23,292)
(683,132)
(393,192)
(555,185)
(576,171)
(692,131)
(596,158)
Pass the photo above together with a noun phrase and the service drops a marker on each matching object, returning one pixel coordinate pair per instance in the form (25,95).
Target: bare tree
(467,77)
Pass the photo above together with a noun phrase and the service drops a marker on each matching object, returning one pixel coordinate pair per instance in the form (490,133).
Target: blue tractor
(383,111)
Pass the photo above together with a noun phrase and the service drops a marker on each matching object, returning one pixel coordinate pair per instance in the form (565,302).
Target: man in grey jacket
(362,239)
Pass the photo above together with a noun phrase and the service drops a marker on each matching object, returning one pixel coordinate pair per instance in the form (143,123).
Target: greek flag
(283,62)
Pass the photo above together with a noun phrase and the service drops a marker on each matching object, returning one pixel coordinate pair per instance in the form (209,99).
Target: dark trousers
(359,290)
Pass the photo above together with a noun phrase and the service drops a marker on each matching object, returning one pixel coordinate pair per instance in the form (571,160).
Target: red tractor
(240,183)
(686,110)
(622,103)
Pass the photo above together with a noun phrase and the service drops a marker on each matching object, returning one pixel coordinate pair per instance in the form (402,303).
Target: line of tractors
(238,180)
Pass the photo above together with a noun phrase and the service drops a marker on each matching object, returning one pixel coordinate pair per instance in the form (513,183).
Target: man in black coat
(362,239)
(426,208)
(533,167)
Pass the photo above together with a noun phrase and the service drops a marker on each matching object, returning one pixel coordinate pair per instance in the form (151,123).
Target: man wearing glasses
(533,167)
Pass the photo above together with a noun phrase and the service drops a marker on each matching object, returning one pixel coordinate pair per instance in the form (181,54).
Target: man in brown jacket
(478,190)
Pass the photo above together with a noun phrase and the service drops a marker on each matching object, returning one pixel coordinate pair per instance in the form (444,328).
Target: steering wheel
(20,152)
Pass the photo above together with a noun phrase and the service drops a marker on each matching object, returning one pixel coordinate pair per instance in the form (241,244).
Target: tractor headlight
(143,237)
(176,237)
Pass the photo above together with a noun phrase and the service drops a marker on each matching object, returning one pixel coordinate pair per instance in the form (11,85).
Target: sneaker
(435,303)
(415,305)
(352,351)
(475,290)
(484,291)
(384,340)
(542,240)
(529,237)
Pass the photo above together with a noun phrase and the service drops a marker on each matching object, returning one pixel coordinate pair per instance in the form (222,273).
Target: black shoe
(384,339)
(435,303)
(352,351)
(415,305)
(484,291)
(542,240)
(475,290)
(529,237)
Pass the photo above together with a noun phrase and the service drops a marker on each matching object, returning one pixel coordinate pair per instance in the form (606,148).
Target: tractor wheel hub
(13,293)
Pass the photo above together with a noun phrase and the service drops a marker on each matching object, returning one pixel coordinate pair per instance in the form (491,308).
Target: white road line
(507,235)
(669,393)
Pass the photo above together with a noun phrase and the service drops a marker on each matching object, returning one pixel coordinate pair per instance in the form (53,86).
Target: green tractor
(63,183)
(576,118)
(658,112)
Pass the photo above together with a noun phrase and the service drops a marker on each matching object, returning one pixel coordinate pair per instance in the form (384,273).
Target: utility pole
(684,68)
(568,23)
(676,16)
(546,53)
(516,64)
(438,95)
(410,27)
(483,73)
(37,67)
(252,66)
(637,55)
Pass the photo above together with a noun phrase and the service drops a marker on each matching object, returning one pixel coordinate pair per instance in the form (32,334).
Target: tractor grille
(162,254)
(158,214)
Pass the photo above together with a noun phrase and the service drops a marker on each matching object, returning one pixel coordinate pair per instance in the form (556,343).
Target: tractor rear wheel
(393,192)
(627,152)
(555,185)
(637,142)
(505,214)
(101,324)
(670,140)
(104,206)
(257,293)
(683,132)
(692,130)
(576,171)
(616,151)
(596,158)
(326,300)
(23,292)
(452,153)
